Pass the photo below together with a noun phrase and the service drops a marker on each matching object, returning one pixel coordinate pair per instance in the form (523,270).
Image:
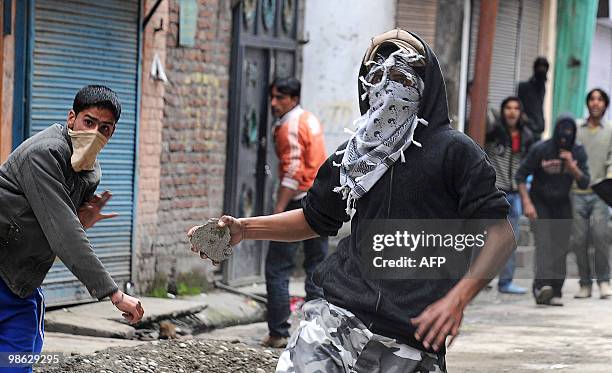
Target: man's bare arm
(443,318)
(287,226)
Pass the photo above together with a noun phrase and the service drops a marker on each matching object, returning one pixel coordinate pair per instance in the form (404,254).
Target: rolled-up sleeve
(43,182)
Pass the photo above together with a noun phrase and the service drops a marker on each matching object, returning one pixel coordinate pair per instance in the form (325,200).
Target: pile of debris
(182,356)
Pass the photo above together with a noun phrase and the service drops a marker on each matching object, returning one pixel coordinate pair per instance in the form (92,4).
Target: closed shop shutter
(419,17)
(80,42)
(505,53)
(516,39)
(530,37)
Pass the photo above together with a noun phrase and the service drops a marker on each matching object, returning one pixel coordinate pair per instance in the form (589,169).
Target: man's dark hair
(511,99)
(287,86)
(603,94)
(540,61)
(98,96)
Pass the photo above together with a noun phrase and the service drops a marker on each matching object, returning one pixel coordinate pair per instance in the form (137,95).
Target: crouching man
(47,194)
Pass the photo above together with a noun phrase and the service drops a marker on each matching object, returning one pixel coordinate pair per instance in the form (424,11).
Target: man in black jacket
(507,142)
(555,165)
(531,93)
(394,167)
(47,188)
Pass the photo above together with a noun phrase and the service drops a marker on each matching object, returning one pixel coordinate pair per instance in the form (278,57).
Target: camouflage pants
(331,339)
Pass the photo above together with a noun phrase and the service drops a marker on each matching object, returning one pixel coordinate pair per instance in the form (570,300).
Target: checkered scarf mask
(394,91)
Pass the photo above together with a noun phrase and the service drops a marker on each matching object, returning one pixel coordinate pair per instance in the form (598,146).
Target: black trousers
(280,262)
(551,231)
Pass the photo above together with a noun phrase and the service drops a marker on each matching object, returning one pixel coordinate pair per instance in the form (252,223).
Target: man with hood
(507,142)
(531,93)
(403,162)
(47,194)
(555,164)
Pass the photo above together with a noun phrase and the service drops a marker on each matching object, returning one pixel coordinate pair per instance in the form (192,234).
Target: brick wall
(183,139)
(149,162)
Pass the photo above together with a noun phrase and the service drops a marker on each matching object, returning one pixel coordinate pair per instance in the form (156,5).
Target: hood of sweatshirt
(434,104)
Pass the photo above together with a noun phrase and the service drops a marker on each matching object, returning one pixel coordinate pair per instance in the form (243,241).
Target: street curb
(199,313)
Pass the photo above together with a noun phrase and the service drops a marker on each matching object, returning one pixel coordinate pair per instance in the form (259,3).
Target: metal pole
(465,51)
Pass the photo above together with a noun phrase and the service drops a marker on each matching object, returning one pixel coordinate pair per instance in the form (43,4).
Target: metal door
(264,44)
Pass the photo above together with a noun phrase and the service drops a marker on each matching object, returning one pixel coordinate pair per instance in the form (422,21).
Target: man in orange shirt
(298,137)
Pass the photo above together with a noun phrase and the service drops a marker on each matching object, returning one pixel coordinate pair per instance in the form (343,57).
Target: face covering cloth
(86,145)
(394,91)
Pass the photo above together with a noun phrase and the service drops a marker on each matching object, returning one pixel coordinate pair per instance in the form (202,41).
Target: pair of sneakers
(546,296)
(585,291)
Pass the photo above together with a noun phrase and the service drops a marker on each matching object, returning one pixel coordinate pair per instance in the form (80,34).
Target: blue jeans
(507,274)
(279,265)
(591,228)
(21,324)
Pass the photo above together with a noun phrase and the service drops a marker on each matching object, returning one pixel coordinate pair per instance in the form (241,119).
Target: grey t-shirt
(598,145)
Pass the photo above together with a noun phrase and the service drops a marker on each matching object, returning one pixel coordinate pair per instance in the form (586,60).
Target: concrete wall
(183,140)
(338,33)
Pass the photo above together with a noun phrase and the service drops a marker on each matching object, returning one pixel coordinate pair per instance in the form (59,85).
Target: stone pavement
(500,333)
(510,333)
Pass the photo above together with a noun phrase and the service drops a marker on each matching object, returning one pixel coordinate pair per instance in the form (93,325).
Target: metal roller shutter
(516,39)
(530,37)
(90,42)
(505,53)
(419,17)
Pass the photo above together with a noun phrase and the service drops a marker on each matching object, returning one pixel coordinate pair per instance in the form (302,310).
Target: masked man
(531,93)
(47,196)
(555,164)
(395,166)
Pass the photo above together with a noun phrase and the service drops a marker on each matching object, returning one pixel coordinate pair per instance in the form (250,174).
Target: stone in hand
(212,240)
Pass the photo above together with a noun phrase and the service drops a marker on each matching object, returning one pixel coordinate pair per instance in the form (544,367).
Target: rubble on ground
(170,356)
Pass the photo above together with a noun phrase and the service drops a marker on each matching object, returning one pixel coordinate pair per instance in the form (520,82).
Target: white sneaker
(604,290)
(585,292)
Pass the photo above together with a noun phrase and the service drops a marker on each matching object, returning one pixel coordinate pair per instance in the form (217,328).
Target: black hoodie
(549,183)
(448,178)
(531,93)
